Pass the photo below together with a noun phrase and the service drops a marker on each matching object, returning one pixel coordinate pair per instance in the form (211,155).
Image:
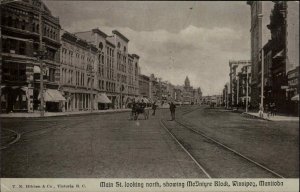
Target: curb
(67,115)
(254,116)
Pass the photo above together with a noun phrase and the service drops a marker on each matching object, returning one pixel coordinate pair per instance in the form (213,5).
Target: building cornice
(120,35)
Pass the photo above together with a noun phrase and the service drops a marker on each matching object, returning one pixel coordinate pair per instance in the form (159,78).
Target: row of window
(80,61)
(121,78)
(111,87)
(22,24)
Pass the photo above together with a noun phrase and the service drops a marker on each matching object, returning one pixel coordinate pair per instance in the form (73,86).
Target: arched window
(119,44)
(124,49)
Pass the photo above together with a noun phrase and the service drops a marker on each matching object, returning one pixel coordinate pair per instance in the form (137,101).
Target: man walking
(172,110)
(153,108)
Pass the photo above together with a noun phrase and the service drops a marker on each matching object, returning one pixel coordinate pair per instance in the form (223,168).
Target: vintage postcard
(149,96)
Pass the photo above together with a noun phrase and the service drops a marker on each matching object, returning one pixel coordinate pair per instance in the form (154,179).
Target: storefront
(54,101)
(103,101)
(14,99)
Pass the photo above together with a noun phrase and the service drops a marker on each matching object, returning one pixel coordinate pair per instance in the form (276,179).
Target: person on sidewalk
(172,110)
(261,111)
(153,108)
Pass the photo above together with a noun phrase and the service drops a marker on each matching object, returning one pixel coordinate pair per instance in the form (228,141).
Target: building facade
(235,81)
(23,23)
(77,73)
(118,73)
(260,12)
(144,86)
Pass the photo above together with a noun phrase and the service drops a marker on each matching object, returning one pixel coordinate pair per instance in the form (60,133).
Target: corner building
(20,71)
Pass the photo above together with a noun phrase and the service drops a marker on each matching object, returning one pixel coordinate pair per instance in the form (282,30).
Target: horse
(140,109)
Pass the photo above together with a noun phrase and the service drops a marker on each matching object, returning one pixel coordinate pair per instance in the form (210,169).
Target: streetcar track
(185,150)
(223,145)
(52,127)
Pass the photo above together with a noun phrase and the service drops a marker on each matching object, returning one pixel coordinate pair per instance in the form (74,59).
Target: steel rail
(230,149)
(185,150)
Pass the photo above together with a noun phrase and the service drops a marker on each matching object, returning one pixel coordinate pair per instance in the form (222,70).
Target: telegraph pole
(41,55)
(247,87)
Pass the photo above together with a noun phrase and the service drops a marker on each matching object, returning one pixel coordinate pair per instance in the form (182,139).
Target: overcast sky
(173,39)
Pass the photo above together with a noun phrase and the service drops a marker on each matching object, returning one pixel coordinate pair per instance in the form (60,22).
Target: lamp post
(247,88)
(41,55)
(260,16)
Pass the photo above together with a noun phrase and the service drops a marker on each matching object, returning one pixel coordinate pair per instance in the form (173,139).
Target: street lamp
(260,16)
(247,87)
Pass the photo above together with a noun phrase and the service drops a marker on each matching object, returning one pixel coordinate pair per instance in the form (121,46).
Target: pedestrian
(172,110)
(153,108)
(261,111)
(274,109)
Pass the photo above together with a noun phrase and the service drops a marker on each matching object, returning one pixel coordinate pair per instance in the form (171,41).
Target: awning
(102,98)
(139,99)
(278,55)
(52,95)
(295,98)
(146,100)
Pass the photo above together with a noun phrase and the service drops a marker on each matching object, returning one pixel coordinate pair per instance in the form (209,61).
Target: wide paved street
(111,145)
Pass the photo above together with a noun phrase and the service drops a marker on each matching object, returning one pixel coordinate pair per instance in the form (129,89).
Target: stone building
(118,74)
(260,14)
(20,67)
(234,83)
(77,76)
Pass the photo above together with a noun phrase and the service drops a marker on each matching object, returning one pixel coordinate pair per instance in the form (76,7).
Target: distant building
(187,92)
(144,86)
(234,83)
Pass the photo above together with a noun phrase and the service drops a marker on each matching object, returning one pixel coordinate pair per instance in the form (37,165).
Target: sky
(173,39)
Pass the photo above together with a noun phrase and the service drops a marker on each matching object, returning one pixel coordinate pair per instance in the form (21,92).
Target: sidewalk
(273,118)
(55,114)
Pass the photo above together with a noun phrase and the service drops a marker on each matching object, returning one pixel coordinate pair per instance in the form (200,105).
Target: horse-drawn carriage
(138,108)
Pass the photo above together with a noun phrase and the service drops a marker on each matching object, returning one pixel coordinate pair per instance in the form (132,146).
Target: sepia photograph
(149,95)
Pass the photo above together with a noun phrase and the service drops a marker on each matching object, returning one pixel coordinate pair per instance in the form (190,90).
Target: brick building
(20,68)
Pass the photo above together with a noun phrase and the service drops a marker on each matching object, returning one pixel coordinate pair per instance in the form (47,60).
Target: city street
(112,146)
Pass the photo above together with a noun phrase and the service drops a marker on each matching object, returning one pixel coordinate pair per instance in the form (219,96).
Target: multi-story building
(187,93)
(260,12)
(154,88)
(144,86)
(234,83)
(284,28)
(77,76)
(243,77)
(118,74)
(24,24)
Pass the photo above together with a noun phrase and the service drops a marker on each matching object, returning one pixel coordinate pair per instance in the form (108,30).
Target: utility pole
(247,87)
(260,16)
(41,55)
